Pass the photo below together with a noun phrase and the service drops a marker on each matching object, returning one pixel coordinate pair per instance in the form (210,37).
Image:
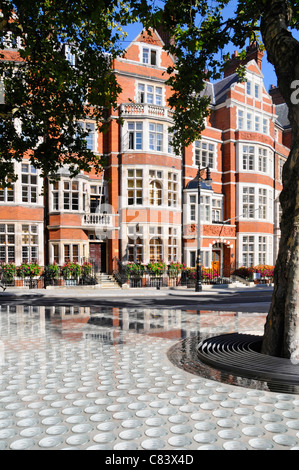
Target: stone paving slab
(74,385)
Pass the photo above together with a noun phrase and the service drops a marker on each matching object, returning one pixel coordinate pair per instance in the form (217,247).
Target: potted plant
(175,268)
(156,268)
(9,272)
(71,272)
(51,274)
(86,269)
(135,270)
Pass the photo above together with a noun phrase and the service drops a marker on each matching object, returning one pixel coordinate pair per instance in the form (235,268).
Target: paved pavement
(99,377)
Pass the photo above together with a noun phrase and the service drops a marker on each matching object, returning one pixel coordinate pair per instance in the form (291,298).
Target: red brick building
(144,208)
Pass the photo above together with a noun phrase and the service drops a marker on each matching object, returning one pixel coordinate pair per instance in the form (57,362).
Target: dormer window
(149,56)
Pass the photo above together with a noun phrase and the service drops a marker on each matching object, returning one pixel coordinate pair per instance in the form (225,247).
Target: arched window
(155,193)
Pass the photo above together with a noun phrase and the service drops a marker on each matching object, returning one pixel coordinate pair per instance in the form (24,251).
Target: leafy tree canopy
(48,93)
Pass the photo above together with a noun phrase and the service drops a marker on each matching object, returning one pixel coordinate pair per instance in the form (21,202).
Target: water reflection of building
(68,321)
(22,320)
(111,324)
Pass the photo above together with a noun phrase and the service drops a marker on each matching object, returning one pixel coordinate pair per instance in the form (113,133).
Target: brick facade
(144,206)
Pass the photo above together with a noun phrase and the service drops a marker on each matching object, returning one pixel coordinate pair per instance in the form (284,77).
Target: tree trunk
(281,335)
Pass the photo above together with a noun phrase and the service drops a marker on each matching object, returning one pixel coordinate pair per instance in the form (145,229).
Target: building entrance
(98,256)
(217,258)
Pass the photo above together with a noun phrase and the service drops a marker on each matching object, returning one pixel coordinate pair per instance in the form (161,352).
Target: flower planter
(71,282)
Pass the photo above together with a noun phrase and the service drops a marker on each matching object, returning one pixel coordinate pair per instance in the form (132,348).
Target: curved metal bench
(239,354)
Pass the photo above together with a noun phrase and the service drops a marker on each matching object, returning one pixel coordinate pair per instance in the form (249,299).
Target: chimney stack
(253,52)
(276,96)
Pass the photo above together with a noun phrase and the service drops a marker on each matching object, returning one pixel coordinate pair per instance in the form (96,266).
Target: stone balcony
(144,109)
(97,220)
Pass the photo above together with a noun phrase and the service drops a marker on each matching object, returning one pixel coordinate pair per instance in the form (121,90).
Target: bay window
(135,187)
(135,133)
(156,137)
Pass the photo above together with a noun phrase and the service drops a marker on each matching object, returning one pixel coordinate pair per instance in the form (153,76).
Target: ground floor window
(56,254)
(156,249)
(7,243)
(192,259)
(29,244)
(135,249)
(173,244)
(256,250)
(71,253)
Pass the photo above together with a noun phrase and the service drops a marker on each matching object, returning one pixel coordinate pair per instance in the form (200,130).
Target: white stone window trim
(155,86)
(215,152)
(241,146)
(256,253)
(192,198)
(151,47)
(256,211)
(249,110)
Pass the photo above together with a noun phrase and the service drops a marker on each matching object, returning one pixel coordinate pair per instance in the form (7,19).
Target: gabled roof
(221,87)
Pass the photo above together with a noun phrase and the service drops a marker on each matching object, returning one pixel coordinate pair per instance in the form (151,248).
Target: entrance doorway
(98,254)
(216,260)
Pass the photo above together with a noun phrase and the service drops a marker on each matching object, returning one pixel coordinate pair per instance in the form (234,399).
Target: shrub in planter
(209,273)
(244,272)
(9,271)
(156,268)
(86,269)
(135,269)
(29,270)
(71,270)
(265,271)
(52,272)
(190,273)
(175,268)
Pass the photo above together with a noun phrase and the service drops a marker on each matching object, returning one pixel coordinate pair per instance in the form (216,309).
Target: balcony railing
(97,220)
(143,109)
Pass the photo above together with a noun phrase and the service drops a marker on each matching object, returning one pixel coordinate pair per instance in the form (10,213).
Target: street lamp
(198,285)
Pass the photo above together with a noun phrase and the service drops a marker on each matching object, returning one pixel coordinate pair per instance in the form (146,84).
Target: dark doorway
(97,254)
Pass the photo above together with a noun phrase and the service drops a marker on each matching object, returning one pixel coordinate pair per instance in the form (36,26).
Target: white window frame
(7,195)
(149,94)
(8,246)
(172,189)
(73,193)
(71,258)
(156,234)
(173,244)
(248,157)
(155,137)
(256,202)
(255,249)
(29,188)
(135,189)
(255,158)
(147,57)
(205,153)
(135,133)
(32,246)
(91,139)
(252,121)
